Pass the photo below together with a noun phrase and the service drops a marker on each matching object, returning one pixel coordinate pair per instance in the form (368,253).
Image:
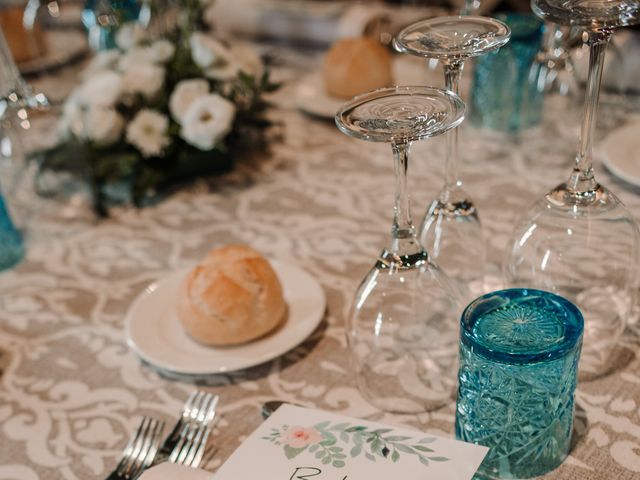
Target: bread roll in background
(356,65)
(233,296)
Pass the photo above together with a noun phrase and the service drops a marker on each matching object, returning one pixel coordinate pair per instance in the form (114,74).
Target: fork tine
(188,444)
(128,453)
(204,407)
(199,453)
(155,444)
(149,449)
(211,412)
(175,453)
(138,447)
(195,445)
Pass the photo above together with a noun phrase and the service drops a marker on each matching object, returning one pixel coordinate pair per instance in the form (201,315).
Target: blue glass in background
(11,244)
(505,93)
(519,352)
(101,18)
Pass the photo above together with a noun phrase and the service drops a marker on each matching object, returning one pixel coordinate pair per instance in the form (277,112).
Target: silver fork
(190,448)
(140,450)
(199,409)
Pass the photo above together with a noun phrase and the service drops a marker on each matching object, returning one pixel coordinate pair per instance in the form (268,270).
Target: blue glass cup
(11,243)
(505,93)
(519,352)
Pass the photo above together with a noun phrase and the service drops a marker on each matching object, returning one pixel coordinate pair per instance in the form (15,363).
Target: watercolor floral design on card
(333,444)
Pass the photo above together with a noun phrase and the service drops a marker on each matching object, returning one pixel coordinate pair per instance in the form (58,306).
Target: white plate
(622,153)
(154,332)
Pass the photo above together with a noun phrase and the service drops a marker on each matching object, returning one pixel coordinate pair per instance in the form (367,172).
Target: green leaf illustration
(355,429)
(322,425)
(404,448)
(395,456)
(338,463)
(424,461)
(326,460)
(427,440)
(339,426)
(397,438)
(439,459)
(422,448)
(291,452)
(355,451)
(313,447)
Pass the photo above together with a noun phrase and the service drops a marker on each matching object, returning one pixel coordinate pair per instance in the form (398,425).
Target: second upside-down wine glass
(402,328)
(579,240)
(450,229)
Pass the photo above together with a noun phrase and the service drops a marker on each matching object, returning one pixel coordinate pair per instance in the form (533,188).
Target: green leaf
(395,456)
(396,438)
(357,439)
(427,440)
(328,442)
(355,451)
(320,454)
(355,429)
(340,426)
(422,448)
(424,461)
(335,449)
(439,459)
(339,456)
(313,447)
(404,448)
(344,437)
(292,452)
(326,460)
(338,463)
(322,425)
(382,431)
(369,456)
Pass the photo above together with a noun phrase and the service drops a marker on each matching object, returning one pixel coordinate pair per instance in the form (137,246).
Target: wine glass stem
(582,179)
(403,233)
(452,72)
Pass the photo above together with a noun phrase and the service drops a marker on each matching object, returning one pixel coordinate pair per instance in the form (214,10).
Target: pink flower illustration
(299,437)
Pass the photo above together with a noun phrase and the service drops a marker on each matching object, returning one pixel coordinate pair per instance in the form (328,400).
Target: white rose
(102,89)
(102,125)
(212,56)
(148,132)
(72,122)
(207,121)
(162,51)
(104,60)
(134,57)
(129,35)
(145,79)
(184,94)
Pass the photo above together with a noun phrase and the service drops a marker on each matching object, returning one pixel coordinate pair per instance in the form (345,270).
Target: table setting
(211,266)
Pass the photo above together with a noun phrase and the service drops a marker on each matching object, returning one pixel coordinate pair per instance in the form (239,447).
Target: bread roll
(356,65)
(232,297)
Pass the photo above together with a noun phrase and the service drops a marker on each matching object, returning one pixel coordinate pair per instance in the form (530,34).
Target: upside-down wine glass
(579,240)
(402,328)
(450,229)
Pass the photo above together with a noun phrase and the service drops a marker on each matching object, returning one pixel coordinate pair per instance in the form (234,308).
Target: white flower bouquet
(154,112)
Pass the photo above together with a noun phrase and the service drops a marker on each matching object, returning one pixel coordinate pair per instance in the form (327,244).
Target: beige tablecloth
(71,391)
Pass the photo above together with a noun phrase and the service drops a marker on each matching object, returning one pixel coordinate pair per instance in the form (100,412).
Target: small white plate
(153,329)
(621,151)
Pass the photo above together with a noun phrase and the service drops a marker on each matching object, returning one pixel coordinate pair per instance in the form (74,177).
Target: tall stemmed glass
(579,240)
(402,328)
(450,229)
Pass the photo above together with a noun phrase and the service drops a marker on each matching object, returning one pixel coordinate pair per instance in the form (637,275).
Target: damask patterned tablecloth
(71,391)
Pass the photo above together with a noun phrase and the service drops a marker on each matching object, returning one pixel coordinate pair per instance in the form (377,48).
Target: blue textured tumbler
(519,352)
(11,243)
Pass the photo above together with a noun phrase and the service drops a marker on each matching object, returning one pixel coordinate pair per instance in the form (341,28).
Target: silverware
(191,445)
(199,411)
(140,451)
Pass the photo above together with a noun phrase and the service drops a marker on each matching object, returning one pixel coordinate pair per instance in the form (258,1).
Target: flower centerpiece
(157,110)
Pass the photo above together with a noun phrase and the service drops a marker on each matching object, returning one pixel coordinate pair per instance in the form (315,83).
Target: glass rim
(552,11)
(560,350)
(400,45)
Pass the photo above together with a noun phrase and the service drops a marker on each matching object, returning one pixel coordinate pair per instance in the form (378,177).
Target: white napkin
(171,471)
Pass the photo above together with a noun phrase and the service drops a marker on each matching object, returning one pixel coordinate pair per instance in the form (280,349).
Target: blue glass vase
(102,18)
(11,244)
(519,352)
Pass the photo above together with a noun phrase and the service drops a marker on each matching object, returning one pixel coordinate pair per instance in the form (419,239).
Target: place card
(297,443)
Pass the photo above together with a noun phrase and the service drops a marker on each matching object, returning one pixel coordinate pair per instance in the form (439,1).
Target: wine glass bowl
(402,327)
(585,249)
